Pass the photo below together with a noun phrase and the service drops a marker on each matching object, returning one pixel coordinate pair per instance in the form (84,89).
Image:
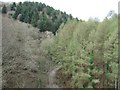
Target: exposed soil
(25,64)
(53,81)
(63,80)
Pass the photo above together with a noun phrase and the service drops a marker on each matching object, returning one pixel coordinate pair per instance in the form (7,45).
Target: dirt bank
(25,65)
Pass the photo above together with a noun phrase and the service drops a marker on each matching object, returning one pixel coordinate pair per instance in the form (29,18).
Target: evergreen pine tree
(4,9)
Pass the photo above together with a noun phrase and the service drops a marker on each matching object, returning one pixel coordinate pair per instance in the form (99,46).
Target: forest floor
(24,61)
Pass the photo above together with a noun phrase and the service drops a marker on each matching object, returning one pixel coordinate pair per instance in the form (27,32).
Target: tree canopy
(88,53)
(40,15)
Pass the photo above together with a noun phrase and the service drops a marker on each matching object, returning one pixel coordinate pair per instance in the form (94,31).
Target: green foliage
(4,9)
(40,15)
(44,24)
(18,11)
(34,18)
(13,6)
(88,51)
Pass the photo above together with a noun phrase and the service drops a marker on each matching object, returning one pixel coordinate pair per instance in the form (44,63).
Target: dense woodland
(87,53)
(42,16)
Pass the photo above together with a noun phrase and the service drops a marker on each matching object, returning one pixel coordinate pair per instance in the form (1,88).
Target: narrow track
(52,78)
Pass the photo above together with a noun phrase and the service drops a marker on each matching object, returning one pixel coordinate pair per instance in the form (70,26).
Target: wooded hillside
(42,16)
(88,53)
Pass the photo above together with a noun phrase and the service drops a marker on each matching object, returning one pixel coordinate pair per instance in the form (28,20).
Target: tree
(77,19)
(44,24)
(35,18)
(4,9)
(17,11)
(70,16)
(40,7)
(20,3)
(13,6)
(110,13)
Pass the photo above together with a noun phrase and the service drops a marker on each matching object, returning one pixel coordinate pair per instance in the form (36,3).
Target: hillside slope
(40,15)
(88,53)
(25,65)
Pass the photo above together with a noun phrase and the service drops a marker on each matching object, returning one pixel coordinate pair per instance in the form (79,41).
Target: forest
(40,15)
(86,51)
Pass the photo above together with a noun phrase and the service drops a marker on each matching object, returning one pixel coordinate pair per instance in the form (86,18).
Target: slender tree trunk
(104,75)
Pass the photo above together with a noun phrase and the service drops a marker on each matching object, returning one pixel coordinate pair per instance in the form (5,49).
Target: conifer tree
(4,9)
(13,6)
